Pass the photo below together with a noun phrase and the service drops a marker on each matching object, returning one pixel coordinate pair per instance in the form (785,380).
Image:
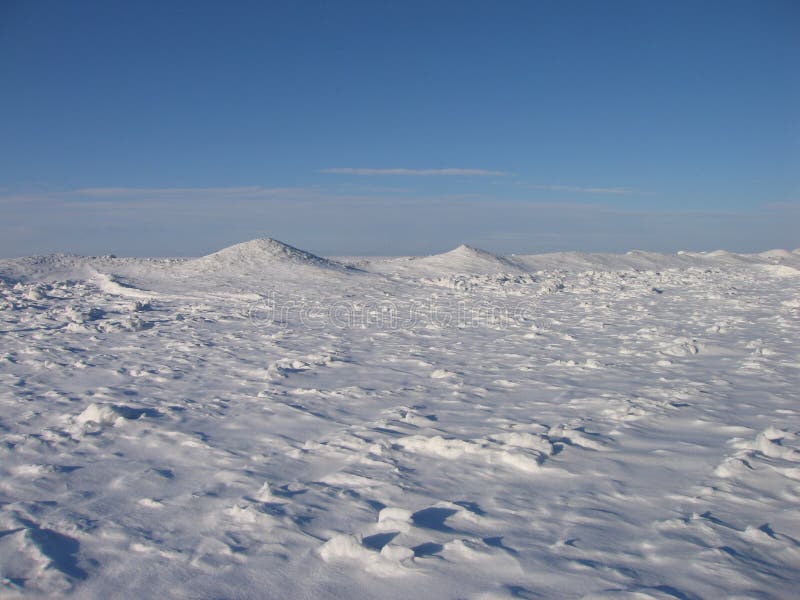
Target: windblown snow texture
(266,423)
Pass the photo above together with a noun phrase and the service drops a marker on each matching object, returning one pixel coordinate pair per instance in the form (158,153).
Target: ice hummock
(259,254)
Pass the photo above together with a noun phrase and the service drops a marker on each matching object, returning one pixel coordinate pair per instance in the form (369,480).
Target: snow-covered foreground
(264,423)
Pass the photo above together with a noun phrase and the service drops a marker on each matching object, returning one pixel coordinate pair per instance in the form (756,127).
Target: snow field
(628,427)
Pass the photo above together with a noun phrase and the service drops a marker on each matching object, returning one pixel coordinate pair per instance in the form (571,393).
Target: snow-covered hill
(266,423)
(258,256)
(464,259)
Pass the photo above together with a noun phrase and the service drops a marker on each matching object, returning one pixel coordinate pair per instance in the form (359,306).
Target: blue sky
(176,128)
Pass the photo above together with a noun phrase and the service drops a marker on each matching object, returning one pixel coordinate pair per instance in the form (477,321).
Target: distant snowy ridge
(270,257)
(468,260)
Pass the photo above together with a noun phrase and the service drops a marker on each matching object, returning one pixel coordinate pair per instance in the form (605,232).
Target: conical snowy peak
(465,250)
(268,250)
(467,259)
(258,254)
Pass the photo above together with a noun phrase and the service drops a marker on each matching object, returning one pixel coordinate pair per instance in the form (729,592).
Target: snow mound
(257,255)
(781,270)
(49,267)
(99,416)
(776,253)
(466,259)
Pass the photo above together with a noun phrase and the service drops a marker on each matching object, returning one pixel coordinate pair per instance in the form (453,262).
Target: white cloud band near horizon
(588,190)
(413,172)
(185,221)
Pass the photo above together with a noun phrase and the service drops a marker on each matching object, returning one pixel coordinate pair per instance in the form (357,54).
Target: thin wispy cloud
(222,192)
(621,191)
(414,172)
(222,196)
(168,195)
